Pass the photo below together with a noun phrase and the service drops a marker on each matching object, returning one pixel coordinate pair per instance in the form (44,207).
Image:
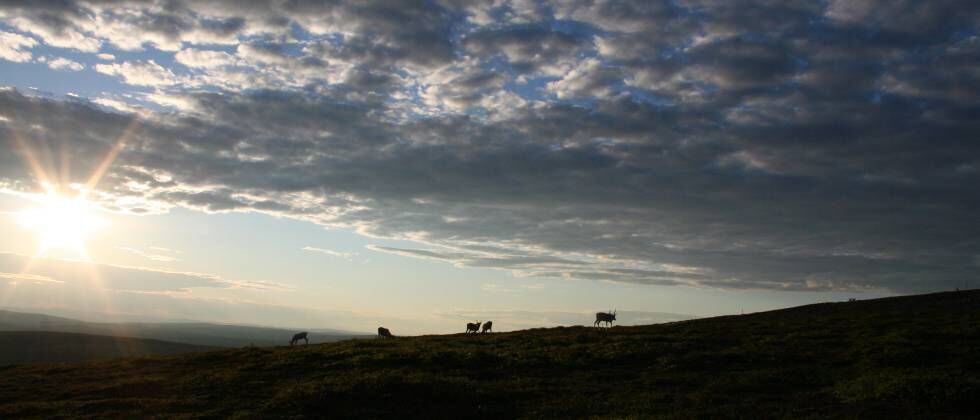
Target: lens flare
(62,223)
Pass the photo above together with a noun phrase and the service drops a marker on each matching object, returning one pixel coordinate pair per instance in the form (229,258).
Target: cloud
(153,254)
(85,25)
(902,19)
(141,73)
(720,144)
(116,104)
(528,49)
(16,47)
(500,288)
(265,52)
(61,63)
(482,259)
(590,79)
(204,58)
(413,33)
(332,253)
(84,275)
(57,24)
(461,87)
(32,278)
(621,16)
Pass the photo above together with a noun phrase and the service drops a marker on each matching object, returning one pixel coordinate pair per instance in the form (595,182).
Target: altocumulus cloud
(737,144)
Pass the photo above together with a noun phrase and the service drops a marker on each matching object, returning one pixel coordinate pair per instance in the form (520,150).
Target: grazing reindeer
(473,327)
(300,336)
(487,327)
(606,317)
(384,333)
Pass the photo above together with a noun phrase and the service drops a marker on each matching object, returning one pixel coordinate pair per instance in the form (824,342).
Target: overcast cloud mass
(790,145)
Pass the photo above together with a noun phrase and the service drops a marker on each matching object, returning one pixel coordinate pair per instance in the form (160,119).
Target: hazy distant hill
(904,357)
(57,347)
(183,332)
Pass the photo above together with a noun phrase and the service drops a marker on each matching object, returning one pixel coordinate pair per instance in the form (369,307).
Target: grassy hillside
(40,346)
(199,333)
(906,356)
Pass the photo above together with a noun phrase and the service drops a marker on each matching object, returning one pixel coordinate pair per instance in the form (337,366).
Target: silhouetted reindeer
(473,327)
(487,327)
(384,333)
(300,336)
(606,317)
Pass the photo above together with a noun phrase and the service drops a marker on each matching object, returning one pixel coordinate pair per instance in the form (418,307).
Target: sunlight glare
(62,223)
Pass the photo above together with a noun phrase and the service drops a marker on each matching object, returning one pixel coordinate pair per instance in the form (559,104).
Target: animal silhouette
(300,336)
(473,327)
(607,317)
(384,333)
(487,327)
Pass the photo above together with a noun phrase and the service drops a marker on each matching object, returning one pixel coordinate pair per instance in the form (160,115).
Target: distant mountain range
(18,347)
(193,333)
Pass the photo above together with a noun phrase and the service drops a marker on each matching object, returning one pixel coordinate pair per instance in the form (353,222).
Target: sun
(62,223)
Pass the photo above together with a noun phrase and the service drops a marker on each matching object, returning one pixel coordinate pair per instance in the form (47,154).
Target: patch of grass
(926,389)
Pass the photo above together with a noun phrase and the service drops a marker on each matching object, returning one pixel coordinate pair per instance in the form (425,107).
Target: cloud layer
(105,277)
(741,144)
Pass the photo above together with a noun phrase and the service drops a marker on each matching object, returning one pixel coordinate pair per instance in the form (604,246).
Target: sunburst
(62,223)
(64,216)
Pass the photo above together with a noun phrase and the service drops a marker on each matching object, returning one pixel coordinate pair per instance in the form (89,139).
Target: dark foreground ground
(916,356)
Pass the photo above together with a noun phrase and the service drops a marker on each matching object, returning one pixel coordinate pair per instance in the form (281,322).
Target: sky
(419,165)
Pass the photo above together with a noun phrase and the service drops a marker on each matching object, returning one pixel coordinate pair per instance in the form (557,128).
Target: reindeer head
(614,314)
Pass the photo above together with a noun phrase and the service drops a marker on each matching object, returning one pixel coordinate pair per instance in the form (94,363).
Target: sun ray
(31,159)
(95,278)
(63,219)
(110,157)
(65,169)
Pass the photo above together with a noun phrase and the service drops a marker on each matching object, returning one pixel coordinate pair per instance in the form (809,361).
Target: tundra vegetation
(911,356)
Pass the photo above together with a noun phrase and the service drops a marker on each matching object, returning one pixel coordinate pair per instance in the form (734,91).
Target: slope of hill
(199,333)
(49,347)
(912,356)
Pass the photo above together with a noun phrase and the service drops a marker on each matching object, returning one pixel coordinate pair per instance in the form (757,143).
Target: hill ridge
(910,356)
(196,333)
(66,347)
